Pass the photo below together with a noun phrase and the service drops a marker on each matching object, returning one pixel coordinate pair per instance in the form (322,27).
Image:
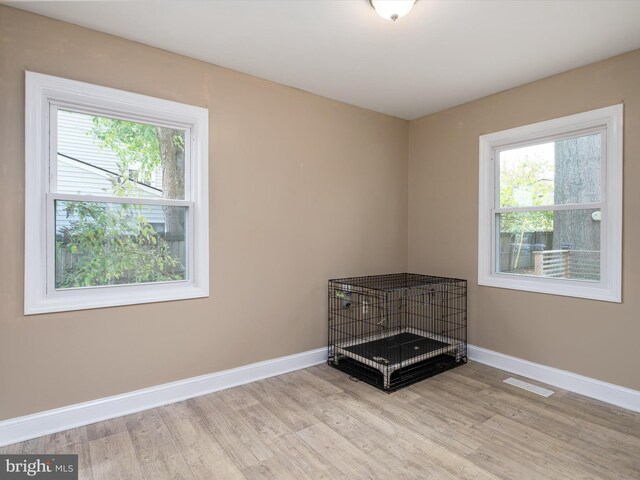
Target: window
(116,197)
(550,207)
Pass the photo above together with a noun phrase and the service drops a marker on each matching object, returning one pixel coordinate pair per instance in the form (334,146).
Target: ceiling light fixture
(392,9)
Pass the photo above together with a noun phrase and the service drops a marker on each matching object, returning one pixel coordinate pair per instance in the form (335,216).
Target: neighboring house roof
(73,172)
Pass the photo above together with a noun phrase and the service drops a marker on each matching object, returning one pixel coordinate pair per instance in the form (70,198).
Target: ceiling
(442,54)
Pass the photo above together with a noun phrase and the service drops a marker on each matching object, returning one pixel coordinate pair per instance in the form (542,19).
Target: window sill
(101,297)
(566,288)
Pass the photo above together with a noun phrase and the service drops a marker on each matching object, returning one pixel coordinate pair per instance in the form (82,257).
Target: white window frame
(609,121)
(44,94)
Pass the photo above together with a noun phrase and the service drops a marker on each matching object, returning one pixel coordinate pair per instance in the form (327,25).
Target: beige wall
(597,339)
(302,189)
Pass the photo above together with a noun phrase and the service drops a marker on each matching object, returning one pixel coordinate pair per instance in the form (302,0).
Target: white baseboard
(51,421)
(44,423)
(589,387)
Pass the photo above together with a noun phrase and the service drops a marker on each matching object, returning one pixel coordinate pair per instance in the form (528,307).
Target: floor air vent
(543,392)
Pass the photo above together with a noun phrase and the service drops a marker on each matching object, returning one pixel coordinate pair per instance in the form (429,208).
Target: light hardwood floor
(318,424)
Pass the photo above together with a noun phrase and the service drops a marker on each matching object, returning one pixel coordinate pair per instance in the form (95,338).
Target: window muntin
(550,206)
(158,219)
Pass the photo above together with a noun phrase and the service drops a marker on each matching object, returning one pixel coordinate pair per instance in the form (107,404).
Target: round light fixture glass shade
(392,9)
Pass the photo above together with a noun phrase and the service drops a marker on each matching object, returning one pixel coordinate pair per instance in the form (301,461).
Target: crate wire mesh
(394,330)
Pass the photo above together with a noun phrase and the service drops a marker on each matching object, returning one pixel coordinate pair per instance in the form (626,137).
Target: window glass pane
(561,244)
(106,156)
(552,173)
(115,244)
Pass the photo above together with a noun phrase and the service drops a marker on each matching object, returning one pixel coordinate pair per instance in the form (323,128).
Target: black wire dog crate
(394,330)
